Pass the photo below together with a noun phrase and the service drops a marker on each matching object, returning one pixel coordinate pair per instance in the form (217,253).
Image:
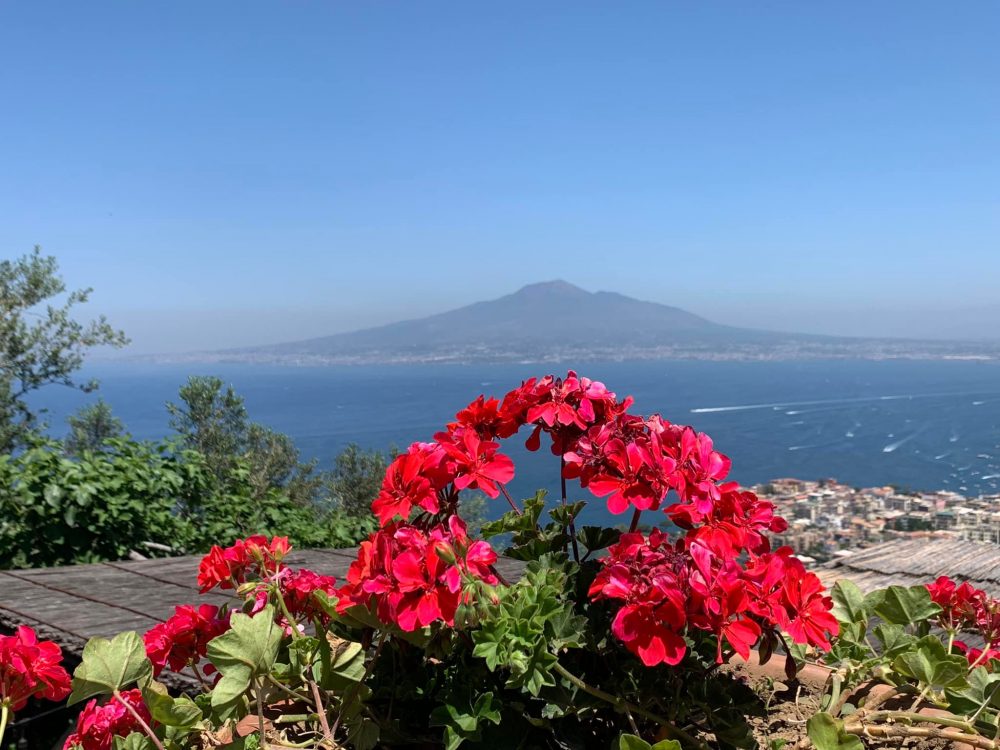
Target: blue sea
(925,425)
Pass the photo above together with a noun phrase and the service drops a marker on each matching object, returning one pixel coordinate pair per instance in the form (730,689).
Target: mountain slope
(550,313)
(556,321)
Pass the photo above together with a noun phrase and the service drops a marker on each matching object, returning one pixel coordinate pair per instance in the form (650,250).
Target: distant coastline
(792,350)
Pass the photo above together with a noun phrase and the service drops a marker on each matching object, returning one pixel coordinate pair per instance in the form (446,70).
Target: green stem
(4,716)
(670,728)
(288,615)
(288,691)
(989,700)
(908,716)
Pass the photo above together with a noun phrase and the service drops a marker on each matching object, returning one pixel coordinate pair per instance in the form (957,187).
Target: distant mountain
(557,321)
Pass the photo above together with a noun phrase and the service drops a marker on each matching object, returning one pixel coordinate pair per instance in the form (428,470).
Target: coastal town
(827,519)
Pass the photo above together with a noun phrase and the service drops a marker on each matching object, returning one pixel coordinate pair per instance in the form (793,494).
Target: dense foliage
(154,499)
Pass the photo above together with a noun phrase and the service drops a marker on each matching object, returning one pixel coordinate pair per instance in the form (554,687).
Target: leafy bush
(151,498)
(901,651)
(55,510)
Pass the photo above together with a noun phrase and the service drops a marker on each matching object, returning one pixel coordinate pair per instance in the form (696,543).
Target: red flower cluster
(98,725)
(668,586)
(415,577)
(298,588)
(183,639)
(964,607)
(253,557)
(29,667)
(720,576)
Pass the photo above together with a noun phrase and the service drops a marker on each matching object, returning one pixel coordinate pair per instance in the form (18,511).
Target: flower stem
(671,729)
(323,721)
(635,521)
(139,720)
(4,715)
(288,615)
(510,500)
(572,521)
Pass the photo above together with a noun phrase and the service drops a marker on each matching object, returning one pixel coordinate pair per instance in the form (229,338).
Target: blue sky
(240,172)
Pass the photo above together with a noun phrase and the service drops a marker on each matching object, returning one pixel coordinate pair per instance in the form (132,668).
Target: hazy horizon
(221,329)
(228,174)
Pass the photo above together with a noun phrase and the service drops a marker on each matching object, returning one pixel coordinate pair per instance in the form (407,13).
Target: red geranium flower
(413,577)
(183,639)
(806,614)
(29,667)
(298,590)
(477,463)
(98,725)
(413,478)
(254,556)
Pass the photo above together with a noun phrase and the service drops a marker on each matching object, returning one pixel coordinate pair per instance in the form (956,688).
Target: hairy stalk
(323,721)
(510,500)
(139,720)
(289,692)
(205,687)
(671,729)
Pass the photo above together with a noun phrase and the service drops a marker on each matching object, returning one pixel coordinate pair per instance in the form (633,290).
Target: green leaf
(135,741)
(828,733)
(631,742)
(108,666)
(906,606)
(247,650)
(173,712)
(565,514)
(894,639)
(596,538)
(981,689)
(848,602)
(932,666)
(463,723)
(364,734)
(342,663)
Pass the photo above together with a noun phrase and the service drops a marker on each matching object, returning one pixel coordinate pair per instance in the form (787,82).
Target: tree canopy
(42,341)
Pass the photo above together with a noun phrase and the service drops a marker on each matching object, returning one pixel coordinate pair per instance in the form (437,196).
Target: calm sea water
(927,425)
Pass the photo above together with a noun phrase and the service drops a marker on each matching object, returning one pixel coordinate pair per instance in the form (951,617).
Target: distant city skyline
(229,174)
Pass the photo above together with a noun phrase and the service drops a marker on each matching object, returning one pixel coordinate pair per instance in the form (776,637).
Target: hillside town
(827,519)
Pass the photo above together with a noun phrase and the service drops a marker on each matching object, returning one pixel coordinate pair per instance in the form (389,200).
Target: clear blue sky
(238,172)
